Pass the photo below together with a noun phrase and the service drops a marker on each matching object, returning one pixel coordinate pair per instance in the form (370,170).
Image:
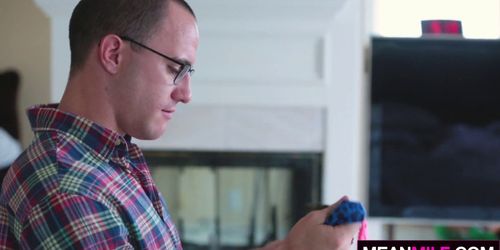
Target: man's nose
(182,92)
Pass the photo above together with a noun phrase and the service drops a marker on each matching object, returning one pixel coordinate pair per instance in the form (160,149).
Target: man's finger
(328,210)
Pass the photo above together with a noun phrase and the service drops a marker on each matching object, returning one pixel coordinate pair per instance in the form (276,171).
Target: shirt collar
(100,139)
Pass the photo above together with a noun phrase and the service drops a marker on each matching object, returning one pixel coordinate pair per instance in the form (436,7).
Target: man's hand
(310,233)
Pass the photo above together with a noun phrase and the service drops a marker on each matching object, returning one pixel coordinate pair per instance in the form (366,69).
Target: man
(82,183)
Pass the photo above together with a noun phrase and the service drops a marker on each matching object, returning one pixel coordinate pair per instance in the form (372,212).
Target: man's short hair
(93,19)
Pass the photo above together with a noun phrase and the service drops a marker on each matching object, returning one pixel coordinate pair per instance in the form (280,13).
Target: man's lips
(168,113)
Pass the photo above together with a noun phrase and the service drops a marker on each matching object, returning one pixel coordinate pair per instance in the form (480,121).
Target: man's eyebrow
(182,60)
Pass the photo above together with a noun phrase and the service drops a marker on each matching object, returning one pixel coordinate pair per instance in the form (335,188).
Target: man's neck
(85,96)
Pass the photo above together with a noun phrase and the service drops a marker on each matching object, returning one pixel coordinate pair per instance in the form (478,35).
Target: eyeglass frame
(185,67)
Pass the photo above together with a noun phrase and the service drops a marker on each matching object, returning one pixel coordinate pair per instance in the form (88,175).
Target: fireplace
(236,200)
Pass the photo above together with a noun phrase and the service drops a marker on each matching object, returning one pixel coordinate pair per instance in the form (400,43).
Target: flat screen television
(435,129)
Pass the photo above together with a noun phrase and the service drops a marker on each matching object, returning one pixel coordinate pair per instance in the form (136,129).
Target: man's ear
(111,53)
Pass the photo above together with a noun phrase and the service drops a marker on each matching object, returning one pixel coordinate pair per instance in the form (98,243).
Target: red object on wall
(442,28)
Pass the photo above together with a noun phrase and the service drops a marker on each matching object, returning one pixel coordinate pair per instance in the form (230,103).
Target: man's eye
(172,70)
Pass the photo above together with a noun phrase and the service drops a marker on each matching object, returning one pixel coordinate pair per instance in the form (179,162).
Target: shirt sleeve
(67,221)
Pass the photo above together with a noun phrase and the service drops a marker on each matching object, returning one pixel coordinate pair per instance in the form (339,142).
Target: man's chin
(149,135)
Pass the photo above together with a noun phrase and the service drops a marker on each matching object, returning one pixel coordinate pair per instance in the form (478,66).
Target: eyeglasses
(185,68)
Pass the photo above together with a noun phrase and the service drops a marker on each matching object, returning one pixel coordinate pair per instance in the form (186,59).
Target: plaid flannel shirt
(81,186)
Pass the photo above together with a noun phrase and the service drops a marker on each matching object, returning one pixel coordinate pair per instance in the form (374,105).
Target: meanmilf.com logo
(429,245)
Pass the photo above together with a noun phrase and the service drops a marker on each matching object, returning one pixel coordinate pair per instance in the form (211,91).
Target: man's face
(144,97)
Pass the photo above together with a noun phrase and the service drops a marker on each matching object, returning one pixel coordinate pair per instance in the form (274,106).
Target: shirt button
(118,142)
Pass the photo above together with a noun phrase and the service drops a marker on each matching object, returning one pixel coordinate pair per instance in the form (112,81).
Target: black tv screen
(435,129)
